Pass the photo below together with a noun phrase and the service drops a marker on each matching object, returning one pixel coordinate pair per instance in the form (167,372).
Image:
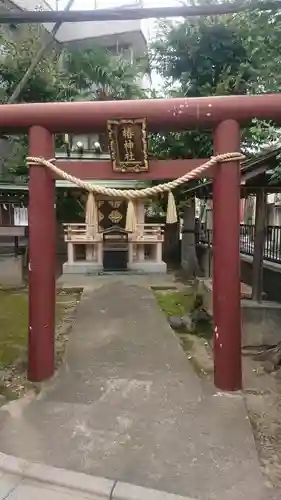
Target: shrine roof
(256,172)
(117,184)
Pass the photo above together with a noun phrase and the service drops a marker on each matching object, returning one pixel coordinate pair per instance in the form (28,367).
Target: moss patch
(194,344)
(175,303)
(14,324)
(181,303)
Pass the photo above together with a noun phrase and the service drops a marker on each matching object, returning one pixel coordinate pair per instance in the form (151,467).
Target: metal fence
(272,242)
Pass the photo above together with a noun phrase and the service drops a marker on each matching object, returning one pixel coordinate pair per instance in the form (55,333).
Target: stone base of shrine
(148,267)
(84,267)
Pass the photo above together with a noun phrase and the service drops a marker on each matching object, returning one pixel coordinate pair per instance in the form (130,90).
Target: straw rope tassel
(171,215)
(131,221)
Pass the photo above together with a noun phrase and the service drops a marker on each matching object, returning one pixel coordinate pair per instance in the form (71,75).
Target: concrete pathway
(128,406)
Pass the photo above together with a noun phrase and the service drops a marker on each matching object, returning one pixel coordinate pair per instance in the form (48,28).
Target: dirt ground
(262,394)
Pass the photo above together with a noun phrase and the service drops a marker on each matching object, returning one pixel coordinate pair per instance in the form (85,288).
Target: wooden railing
(79,233)
(149,232)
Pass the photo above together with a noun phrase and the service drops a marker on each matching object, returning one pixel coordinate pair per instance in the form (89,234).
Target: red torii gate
(224,115)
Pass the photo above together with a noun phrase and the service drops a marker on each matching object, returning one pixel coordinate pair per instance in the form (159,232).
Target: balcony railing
(272,241)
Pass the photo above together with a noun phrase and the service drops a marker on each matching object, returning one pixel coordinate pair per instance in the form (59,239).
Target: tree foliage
(99,75)
(203,58)
(221,55)
(233,54)
(61,75)
(48,82)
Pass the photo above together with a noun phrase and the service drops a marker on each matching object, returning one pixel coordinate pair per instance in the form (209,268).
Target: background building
(126,37)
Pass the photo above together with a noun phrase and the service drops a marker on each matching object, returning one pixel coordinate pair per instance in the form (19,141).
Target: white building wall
(32,4)
(90,29)
(70,32)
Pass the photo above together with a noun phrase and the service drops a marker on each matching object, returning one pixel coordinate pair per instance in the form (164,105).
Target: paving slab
(67,281)
(16,472)
(8,483)
(15,487)
(28,490)
(127,405)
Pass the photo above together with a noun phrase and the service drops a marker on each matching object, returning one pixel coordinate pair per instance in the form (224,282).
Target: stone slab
(124,491)
(15,469)
(41,481)
(81,267)
(149,266)
(84,267)
(11,270)
(8,483)
(31,491)
(91,282)
(260,321)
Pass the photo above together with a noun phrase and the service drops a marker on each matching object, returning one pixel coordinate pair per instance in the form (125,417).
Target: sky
(102,4)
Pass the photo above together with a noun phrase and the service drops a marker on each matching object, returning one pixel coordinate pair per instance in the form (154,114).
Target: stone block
(22,476)
(97,487)
(124,491)
(82,267)
(11,464)
(38,491)
(11,271)
(181,322)
(260,321)
(8,483)
(148,267)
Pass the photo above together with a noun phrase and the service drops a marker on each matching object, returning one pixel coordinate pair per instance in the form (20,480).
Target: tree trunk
(28,74)
(189,262)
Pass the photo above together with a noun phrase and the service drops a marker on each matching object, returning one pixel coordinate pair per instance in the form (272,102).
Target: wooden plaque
(127,141)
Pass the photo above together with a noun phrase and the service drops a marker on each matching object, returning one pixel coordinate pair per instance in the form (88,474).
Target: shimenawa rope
(132,194)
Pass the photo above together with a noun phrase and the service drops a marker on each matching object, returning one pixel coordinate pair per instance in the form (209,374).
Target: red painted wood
(42,260)
(161,114)
(226,261)
(158,169)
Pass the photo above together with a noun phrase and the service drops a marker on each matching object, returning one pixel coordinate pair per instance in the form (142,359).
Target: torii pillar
(42,258)
(226,261)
